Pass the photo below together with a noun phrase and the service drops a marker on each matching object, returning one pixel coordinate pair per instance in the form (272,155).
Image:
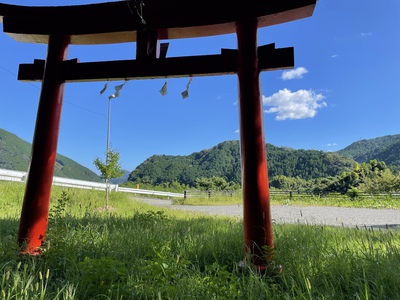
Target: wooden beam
(118,21)
(175,67)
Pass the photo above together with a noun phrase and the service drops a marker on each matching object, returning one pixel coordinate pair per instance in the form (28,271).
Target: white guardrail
(9,175)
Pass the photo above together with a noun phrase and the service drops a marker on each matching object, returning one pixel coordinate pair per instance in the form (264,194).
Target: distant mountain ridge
(223,160)
(15,155)
(385,148)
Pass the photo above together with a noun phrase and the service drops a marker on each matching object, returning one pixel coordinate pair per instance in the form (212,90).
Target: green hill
(223,161)
(385,148)
(15,155)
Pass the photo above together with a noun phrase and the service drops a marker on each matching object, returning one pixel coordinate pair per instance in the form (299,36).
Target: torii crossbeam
(132,21)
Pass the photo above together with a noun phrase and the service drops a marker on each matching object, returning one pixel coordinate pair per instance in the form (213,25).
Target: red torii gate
(132,21)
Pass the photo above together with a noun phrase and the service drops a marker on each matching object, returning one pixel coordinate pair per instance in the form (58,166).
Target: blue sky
(345,87)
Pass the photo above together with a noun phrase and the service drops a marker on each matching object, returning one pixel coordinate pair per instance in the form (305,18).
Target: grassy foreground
(141,252)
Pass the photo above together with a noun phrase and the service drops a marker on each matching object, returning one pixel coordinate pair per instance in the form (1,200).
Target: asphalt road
(315,215)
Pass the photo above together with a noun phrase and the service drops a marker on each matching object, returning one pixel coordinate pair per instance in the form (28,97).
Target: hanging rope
(138,8)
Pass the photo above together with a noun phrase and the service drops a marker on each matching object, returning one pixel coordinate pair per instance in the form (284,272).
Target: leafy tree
(204,184)
(109,169)
(385,182)
(324,185)
(287,183)
(219,183)
(370,177)
(215,183)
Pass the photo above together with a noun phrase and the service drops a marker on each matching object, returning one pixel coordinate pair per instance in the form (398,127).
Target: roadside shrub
(353,193)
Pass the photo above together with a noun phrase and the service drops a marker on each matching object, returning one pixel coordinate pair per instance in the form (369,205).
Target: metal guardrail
(9,175)
(18,176)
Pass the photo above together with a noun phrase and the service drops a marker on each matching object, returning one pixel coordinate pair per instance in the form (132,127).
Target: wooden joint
(271,59)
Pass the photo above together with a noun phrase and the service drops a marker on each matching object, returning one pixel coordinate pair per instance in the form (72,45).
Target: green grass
(140,252)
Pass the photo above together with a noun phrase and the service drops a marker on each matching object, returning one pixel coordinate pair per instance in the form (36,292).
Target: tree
(204,183)
(109,169)
(216,183)
(385,182)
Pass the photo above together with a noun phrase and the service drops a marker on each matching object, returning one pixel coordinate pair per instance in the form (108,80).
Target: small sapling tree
(109,169)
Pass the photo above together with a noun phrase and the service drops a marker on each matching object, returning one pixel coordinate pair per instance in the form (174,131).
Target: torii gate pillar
(35,209)
(258,233)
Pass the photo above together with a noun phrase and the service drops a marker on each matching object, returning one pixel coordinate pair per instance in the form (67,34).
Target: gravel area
(315,215)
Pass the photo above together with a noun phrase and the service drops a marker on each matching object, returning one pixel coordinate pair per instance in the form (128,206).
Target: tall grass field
(136,251)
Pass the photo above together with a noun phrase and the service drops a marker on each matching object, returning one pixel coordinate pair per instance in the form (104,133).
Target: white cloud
(237,131)
(294,74)
(331,144)
(366,34)
(294,105)
(334,55)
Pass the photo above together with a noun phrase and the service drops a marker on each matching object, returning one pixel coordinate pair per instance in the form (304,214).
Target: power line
(88,110)
(91,111)
(15,75)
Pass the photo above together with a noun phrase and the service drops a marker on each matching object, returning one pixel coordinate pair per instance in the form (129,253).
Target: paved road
(321,215)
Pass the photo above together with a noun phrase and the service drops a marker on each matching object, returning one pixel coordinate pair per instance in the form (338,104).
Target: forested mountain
(15,155)
(385,148)
(306,164)
(223,161)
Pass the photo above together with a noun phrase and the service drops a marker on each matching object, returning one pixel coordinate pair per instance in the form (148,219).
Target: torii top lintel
(118,22)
